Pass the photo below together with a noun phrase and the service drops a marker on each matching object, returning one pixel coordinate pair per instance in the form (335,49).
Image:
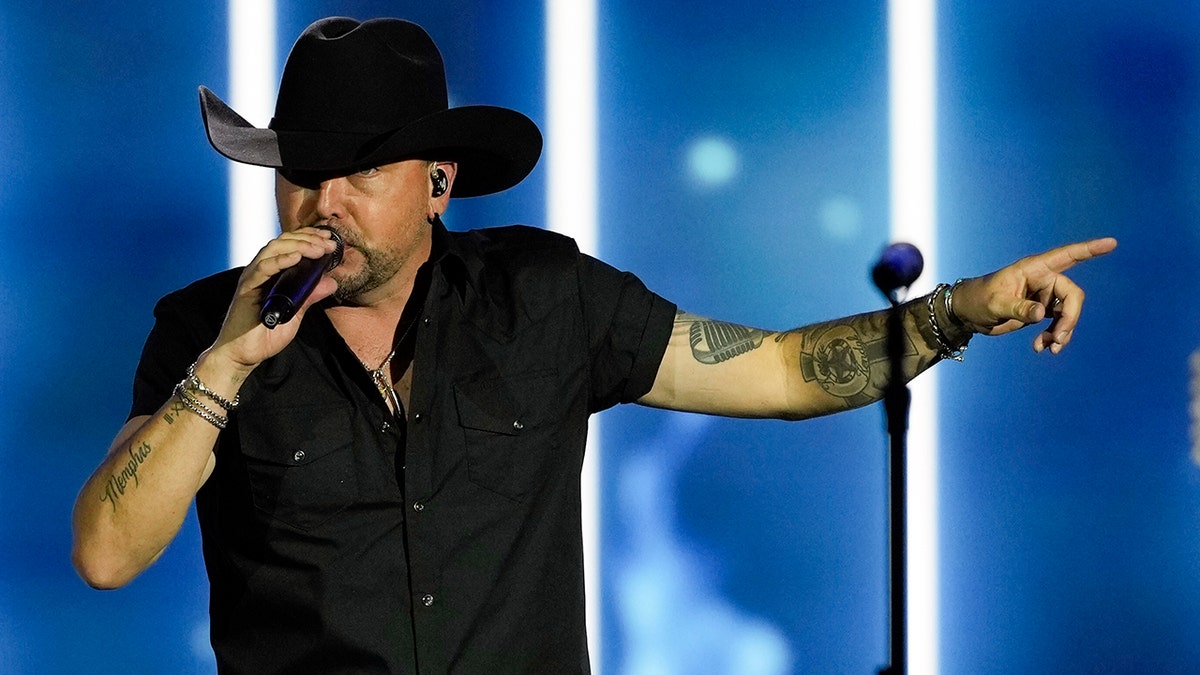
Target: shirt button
(426,321)
(418,418)
(418,506)
(427,600)
(517,426)
(299,456)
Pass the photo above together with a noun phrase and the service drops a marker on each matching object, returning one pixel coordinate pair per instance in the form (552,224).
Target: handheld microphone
(898,267)
(293,285)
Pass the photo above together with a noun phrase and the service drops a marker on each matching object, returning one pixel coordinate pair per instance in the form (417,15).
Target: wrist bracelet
(950,304)
(195,384)
(195,405)
(945,349)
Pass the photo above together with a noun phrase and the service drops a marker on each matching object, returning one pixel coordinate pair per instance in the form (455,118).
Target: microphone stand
(896,401)
(898,266)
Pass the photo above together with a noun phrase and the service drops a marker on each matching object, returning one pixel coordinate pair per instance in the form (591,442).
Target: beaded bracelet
(196,385)
(197,406)
(945,349)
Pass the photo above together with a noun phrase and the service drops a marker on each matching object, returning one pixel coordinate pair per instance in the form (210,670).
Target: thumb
(1028,311)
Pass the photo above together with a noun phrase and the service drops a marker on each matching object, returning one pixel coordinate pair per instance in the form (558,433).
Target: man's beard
(378,267)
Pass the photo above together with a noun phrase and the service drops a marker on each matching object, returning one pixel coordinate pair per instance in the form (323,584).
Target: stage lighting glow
(1194,408)
(571,120)
(912,77)
(200,643)
(571,208)
(840,218)
(252,80)
(712,161)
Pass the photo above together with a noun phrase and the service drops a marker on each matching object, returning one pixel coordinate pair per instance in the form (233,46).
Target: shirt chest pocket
(508,425)
(299,462)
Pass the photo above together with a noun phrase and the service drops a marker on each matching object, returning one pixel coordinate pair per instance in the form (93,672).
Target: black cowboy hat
(357,95)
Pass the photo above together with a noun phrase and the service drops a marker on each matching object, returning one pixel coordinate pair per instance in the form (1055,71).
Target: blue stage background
(744,175)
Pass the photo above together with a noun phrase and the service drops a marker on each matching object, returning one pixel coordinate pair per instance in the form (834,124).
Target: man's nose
(331,198)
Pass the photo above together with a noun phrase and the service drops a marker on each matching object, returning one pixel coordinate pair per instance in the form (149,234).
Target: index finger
(1064,257)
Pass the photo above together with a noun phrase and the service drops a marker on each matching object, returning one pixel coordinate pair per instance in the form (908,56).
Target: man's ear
(441,184)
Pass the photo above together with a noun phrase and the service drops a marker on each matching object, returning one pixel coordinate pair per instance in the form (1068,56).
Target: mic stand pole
(896,402)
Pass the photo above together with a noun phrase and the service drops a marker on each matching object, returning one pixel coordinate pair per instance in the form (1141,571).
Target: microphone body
(293,285)
(898,267)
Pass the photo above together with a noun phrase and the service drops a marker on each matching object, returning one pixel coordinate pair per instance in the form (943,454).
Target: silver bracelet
(195,405)
(945,350)
(195,384)
(950,303)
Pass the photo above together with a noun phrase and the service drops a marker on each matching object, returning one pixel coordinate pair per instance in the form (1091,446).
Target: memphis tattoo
(119,482)
(716,341)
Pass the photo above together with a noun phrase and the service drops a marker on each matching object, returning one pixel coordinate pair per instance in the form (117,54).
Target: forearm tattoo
(841,360)
(176,409)
(119,482)
(849,359)
(846,358)
(716,341)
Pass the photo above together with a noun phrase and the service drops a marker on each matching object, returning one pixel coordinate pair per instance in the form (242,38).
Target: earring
(438,178)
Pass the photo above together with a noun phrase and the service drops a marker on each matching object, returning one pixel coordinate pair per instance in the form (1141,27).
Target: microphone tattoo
(716,341)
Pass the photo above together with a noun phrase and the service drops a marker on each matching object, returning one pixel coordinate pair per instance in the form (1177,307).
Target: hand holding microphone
(293,285)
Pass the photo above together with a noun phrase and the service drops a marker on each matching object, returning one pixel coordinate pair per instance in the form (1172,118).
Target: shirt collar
(458,258)
(448,255)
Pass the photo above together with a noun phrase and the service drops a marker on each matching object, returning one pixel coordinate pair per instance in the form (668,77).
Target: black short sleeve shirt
(341,538)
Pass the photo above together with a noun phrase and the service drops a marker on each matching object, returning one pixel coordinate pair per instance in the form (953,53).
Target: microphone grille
(336,258)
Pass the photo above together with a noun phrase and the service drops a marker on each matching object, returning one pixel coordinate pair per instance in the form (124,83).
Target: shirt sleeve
(186,323)
(628,328)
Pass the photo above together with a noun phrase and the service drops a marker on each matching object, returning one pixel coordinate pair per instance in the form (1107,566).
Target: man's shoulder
(510,240)
(207,296)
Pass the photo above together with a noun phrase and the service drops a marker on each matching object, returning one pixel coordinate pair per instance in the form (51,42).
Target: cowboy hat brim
(495,148)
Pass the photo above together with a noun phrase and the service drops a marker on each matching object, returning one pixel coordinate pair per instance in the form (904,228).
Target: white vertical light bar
(912,81)
(571,210)
(571,120)
(252,80)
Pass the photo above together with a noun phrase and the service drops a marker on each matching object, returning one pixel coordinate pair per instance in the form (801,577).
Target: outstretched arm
(727,369)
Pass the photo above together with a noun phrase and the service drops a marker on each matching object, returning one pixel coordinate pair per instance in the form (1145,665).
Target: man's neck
(373,323)
(372,327)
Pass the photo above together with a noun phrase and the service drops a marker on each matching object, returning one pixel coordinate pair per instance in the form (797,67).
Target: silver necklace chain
(383,381)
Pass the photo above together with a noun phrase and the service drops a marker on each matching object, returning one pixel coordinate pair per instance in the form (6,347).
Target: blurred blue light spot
(671,611)
(840,217)
(200,644)
(712,161)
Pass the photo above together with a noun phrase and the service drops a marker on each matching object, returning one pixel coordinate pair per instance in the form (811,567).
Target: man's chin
(351,289)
